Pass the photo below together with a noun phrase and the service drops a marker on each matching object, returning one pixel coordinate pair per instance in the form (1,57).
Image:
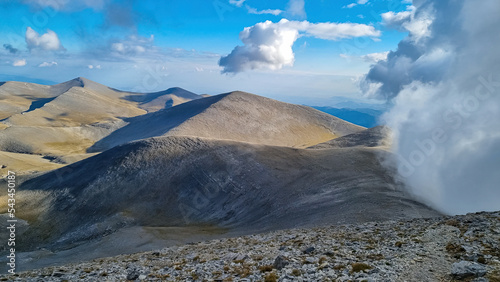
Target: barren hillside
(236,116)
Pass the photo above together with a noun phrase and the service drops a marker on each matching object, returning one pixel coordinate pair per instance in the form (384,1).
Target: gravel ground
(465,248)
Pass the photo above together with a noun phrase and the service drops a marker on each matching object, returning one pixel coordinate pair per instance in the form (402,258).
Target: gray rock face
(280,262)
(465,269)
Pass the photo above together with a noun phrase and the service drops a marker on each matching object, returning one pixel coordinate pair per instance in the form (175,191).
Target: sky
(302,51)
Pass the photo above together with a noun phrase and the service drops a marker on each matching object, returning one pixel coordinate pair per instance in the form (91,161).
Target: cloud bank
(268,45)
(444,82)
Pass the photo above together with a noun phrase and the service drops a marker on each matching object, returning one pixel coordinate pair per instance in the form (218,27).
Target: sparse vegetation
(454,249)
(271,277)
(359,266)
(265,268)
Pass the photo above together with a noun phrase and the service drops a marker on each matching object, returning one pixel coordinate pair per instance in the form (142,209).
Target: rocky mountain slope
(459,248)
(186,181)
(133,172)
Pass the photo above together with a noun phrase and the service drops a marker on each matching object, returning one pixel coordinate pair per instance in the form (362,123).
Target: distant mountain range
(365,117)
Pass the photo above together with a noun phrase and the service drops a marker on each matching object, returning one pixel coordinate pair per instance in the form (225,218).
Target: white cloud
(47,64)
(359,2)
(237,3)
(268,45)
(335,31)
(275,12)
(48,41)
(369,58)
(375,57)
(134,45)
(418,26)
(296,8)
(19,63)
(94,67)
(392,19)
(444,83)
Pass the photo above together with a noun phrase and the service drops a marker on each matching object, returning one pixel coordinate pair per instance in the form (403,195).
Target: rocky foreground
(463,248)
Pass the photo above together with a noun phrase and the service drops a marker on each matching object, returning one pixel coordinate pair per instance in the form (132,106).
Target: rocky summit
(458,248)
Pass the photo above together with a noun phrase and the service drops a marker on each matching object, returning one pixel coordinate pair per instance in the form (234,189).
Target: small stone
(323,265)
(309,250)
(465,269)
(280,262)
(310,260)
(241,257)
(57,274)
(142,277)
(132,275)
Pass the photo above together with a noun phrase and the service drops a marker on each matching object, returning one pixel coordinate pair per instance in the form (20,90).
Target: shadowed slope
(180,181)
(372,137)
(235,116)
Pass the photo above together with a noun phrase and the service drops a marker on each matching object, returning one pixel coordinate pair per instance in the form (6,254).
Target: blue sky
(309,51)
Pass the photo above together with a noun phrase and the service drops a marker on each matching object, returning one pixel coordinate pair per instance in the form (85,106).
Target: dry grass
(24,163)
(69,147)
(359,266)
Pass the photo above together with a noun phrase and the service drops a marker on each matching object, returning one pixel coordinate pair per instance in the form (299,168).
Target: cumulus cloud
(48,41)
(444,83)
(11,49)
(19,63)
(47,64)
(268,45)
(416,25)
(94,67)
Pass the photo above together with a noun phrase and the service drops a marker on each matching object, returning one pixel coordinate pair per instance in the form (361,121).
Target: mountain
(186,181)
(372,137)
(361,116)
(236,116)
(105,172)
(62,121)
(156,101)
